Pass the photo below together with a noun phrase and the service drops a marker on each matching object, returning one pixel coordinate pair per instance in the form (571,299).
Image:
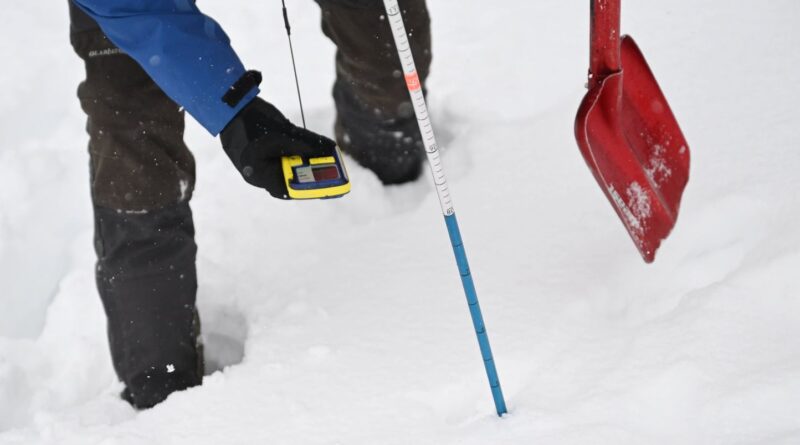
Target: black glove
(259,136)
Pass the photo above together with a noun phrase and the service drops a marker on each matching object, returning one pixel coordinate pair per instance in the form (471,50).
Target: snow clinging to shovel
(657,169)
(636,210)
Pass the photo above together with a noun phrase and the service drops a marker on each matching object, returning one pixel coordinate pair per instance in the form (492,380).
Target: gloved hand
(257,138)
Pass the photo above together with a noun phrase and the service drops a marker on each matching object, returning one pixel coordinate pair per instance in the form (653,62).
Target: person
(148,61)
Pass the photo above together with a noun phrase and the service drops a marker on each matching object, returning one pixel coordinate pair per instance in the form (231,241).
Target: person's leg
(142,177)
(146,279)
(375,122)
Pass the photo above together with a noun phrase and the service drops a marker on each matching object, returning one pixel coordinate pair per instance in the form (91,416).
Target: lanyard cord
(294,65)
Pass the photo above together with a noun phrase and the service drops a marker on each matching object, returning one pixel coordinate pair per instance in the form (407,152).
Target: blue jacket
(184,51)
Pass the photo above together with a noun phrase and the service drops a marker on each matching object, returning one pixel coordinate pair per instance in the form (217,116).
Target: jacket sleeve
(184,51)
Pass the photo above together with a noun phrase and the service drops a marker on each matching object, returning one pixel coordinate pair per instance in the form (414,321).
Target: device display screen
(326,173)
(317,173)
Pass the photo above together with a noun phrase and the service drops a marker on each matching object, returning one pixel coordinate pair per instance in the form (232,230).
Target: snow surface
(344,322)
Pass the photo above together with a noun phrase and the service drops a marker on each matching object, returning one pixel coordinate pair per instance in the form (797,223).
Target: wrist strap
(241,87)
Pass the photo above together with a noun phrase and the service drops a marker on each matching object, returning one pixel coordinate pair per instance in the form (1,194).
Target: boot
(375,121)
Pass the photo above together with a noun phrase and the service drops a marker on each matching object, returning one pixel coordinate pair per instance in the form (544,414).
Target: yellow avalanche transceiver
(316,178)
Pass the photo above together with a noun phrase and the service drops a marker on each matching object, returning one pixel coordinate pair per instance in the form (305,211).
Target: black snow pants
(143,175)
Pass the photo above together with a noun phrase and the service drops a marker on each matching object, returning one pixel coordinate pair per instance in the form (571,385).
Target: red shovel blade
(635,149)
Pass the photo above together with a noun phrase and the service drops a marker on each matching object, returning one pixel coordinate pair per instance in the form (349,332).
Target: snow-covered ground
(344,322)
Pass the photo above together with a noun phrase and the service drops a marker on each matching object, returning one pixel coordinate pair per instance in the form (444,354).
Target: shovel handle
(605,40)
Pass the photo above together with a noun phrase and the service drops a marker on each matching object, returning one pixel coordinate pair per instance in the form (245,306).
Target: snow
(344,322)
(658,171)
(638,201)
